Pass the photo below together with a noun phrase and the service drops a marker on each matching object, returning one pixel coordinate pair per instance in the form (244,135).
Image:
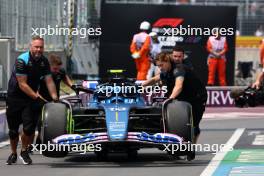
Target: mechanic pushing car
(58,75)
(23,101)
(182,84)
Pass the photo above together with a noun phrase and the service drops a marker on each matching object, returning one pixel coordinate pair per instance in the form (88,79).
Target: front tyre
(54,124)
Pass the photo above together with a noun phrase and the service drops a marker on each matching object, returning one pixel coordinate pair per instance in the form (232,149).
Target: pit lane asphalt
(149,162)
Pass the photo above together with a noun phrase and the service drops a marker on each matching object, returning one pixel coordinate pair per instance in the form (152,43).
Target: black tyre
(191,155)
(132,154)
(178,119)
(54,124)
(102,155)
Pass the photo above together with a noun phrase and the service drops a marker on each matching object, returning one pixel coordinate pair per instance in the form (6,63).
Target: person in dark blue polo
(182,84)
(58,75)
(176,58)
(23,101)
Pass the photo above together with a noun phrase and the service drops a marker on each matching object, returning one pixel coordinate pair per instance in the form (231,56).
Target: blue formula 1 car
(119,121)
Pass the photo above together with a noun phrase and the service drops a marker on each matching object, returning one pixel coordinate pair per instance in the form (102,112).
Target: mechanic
(58,75)
(182,84)
(140,48)
(23,101)
(174,57)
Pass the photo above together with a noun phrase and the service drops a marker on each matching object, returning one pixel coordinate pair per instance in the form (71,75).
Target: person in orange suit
(261,49)
(217,47)
(140,48)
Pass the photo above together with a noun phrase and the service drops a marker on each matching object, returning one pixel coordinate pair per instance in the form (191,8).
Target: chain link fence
(19,19)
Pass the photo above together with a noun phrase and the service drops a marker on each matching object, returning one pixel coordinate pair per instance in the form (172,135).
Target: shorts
(21,111)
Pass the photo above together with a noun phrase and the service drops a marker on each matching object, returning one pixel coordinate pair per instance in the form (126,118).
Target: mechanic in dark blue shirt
(23,101)
(182,84)
(176,58)
(58,75)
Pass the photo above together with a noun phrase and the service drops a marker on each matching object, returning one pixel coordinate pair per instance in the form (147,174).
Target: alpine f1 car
(118,121)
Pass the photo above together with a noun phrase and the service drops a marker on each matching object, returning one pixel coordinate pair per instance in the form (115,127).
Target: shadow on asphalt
(121,160)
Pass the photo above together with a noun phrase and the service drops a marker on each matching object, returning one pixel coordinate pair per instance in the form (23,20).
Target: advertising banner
(189,26)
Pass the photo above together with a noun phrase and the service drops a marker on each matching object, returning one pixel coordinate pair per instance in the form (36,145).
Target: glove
(74,87)
(39,103)
(40,100)
(56,101)
(170,99)
(136,55)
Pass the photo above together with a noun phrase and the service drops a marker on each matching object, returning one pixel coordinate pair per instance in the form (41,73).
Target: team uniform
(193,90)
(57,78)
(20,107)
(187,63)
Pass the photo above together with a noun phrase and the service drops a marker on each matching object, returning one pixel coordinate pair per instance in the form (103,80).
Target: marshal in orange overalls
(217,47)
(140,46)
(261,49)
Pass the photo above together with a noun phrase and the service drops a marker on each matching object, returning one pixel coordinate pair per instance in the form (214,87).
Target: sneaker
(11,159)
(30,149)
(25,158)
(180,157)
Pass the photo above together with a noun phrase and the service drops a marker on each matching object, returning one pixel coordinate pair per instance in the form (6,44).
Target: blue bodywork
(117,107)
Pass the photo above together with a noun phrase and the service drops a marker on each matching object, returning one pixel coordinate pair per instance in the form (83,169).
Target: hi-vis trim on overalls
(216,62)
(139,48)
(261,53)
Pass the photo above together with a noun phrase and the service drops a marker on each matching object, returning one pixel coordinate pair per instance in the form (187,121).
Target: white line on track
(4,143)
(232,114)
(2,111)
(215,162)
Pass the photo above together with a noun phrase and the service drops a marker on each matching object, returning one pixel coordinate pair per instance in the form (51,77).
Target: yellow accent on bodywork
(116,116)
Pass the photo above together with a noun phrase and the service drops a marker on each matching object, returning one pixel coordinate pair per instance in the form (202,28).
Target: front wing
(135,137)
